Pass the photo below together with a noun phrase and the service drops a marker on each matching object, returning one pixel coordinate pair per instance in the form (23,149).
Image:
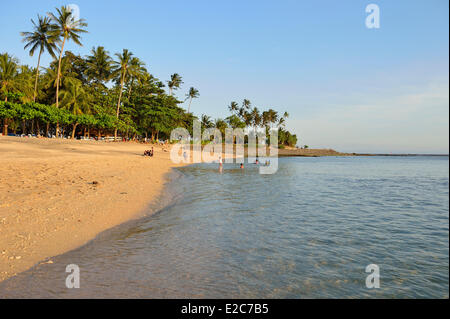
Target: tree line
(100,94)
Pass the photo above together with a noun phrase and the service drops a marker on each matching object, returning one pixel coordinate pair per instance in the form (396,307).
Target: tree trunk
(38,129)
(118,103)
(129,91)
(24,127)
(5,127)
(37,76)
(74,129)
(189,108)
(47,129)
(58,76)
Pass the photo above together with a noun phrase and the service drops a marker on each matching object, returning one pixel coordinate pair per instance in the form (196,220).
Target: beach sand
(56,195)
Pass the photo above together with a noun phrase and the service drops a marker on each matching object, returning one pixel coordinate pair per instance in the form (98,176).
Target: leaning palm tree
(122,70)
(174,83)
(193,94)
(40,38)
(65,26)
(99,65)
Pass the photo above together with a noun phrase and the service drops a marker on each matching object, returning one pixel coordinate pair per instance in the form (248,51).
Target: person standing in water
(220,164)
(242,165)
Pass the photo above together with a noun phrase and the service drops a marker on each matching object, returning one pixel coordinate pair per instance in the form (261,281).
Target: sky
(345,86)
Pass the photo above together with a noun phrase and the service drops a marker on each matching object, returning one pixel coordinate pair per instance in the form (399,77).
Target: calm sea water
(308,231)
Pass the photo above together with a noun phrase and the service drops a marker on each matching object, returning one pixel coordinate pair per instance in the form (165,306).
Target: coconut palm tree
(255,118)
(75,99)
(234,107)
(221,125)
(174,83)
(40,38)
(269,117)
(51,75)
(122,70)
(99,65)
(206,121)
(8,79)
(138,72)
(66,27)
(282,120)
(25,79)
(193,94)
(9,70)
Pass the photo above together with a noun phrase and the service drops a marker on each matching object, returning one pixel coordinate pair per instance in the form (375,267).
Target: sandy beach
(56,195)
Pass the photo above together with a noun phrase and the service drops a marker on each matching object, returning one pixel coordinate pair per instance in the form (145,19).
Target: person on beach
(242,165)
(149,152)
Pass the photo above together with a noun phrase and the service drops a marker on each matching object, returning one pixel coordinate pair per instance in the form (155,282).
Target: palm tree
(75,99)
(9,71)
(206,121)
(269,118)
(282,120)
(41,38)
(221,125)
(174,83)
(65,26)
(193,94)
(137,72)
(122,70)
(99,65)
(234,107)
(255,118)
(24,82)
(8,79)
(51,76)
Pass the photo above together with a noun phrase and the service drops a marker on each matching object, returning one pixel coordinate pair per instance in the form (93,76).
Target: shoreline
(49,203)
(58,195)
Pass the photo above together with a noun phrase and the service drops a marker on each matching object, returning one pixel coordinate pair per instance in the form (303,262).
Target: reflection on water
(308,231)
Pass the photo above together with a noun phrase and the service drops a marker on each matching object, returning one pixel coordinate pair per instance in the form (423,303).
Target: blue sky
(345,86)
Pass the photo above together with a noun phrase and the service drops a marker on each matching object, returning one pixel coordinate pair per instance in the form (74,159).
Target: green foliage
(103,94)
